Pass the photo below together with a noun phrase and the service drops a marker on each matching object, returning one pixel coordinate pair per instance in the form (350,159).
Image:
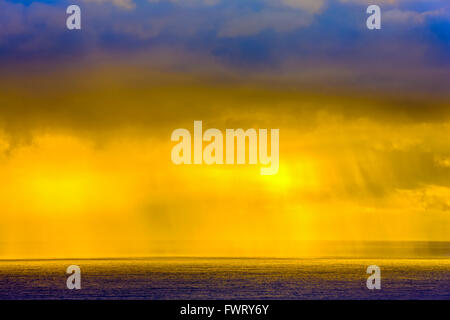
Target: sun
(299,175)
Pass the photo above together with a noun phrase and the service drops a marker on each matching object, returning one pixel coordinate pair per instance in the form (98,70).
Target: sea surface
(225,278)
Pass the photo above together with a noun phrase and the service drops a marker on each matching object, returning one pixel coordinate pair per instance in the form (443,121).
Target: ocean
(226,278)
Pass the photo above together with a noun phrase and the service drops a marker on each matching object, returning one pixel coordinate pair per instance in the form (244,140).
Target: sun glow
(104,191)
(63,193)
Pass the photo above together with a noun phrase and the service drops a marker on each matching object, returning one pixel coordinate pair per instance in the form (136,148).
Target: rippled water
(196,278)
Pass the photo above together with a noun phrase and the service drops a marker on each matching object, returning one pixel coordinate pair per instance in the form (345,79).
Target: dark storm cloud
(251,34)
(135,61)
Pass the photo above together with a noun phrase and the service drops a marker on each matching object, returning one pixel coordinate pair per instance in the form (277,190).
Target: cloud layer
(86,118)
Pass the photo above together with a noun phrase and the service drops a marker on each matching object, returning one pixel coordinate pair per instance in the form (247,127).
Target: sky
(86,118)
